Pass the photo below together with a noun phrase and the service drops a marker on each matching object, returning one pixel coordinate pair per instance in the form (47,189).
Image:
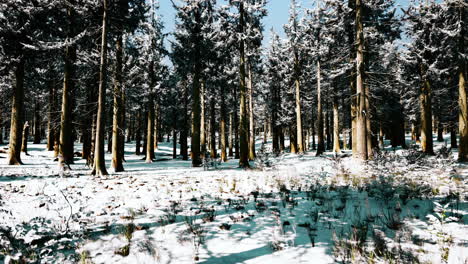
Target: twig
(71,211)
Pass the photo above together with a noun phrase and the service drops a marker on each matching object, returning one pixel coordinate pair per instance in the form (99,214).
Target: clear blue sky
(277,14)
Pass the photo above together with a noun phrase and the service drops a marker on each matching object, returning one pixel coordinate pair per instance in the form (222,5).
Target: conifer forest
(233,131)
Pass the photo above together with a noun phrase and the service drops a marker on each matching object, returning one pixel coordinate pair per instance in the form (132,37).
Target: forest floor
(402,207)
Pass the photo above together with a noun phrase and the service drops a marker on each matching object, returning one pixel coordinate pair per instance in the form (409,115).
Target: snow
(168,212)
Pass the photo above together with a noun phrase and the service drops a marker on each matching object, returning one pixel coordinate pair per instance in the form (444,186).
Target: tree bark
(251,114)
(202,121)
(243,124)
(99,166)
(37,124)
(320,126)
(336,126)
(213,151)
(231,135)
(184,128)
(196,118)
(1,127)
(156,125)
(66,148)
(138,133)
(362,112)
(299,132)
(117,120)
(462,101)
(150,127)
(17,115)
(292,139)
(24,145)
(51,117)
(426,117)
(222,126)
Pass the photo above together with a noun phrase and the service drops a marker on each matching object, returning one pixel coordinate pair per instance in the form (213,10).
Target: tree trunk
(174,142)
(51,117)
(117,120)
(231,135)
(156,125)
(150,132)
(328,128)
(213,152)
(353,99)
(426,117)
(362,112)
(150,127)
(243,124)
(24,145)
(336,126)
(196,118)
(440,131)
(299,132)
(17,115)
(1,127)
(453,136)
(184,128)
(99,166)
(292,139)
(222,125)
(202,121)
(281,138)
(320,126)
(138,133)
(66,123)
(462,101)
(37,124)
(251,115)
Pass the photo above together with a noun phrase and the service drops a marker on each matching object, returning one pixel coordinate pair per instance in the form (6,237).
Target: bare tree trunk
(99,166)
(202,121)
(370,141)
(462,101)
(17,115)
(66,149)
(426,118)
(231,135)
(150,135)
(336,126)
(213,152)
(320,127)
(51,117)
(184,128)
(196,118)
(292,139)
(1,126)
(251,115)
(299,132)
(37,124)
(353,99)
(281,138)
(243,124)
(222,124)
(156,126)
(138,133)
(440,131)
(362,112)
(328,127)
(24,145)
(150,132)
(117,121)
(453,136)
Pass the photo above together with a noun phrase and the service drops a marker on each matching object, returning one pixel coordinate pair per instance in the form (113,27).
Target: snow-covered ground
(296,209)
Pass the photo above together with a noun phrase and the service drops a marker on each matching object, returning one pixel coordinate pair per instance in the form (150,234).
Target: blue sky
(278,12)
